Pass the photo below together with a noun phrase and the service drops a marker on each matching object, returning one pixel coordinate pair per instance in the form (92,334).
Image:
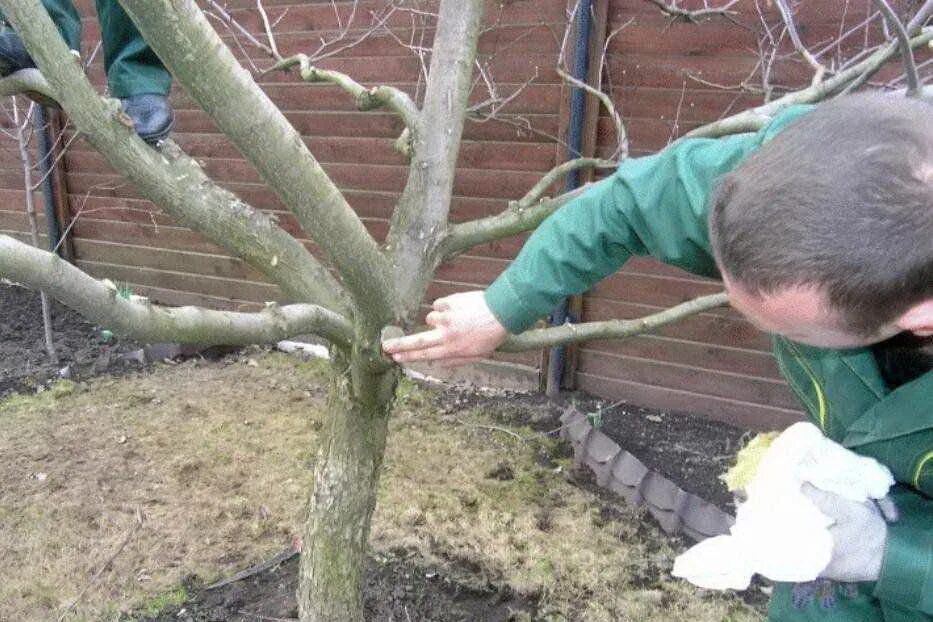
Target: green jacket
(657,206)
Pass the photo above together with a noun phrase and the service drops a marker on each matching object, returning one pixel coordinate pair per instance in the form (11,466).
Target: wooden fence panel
(666,76)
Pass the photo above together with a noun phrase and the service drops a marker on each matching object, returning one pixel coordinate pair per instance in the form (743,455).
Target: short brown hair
(841,199)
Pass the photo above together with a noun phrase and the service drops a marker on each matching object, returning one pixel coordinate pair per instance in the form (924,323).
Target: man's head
(825,234)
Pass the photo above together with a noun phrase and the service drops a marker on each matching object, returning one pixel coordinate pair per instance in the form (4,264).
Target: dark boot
(13,54)
(152,115)
(13,58)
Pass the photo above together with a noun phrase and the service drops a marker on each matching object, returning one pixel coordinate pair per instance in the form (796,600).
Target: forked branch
(522,215)
(136,317)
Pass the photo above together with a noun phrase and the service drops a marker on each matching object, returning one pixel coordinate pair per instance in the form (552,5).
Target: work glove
(859,532)
(812,511)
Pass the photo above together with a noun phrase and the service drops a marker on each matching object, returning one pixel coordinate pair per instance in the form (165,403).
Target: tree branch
(171,179)
(27,82)
(920,18)
(366,99)
(695,15)
(621,151)
(788,16)
(180,34)
(907,54)
(136,317)
(611,329)
(755,118)
(513,221)
(420,218)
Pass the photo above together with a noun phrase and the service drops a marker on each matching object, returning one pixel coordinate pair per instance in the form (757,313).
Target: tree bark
(346,477)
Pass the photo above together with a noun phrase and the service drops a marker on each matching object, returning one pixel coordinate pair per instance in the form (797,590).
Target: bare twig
(268,28)
(755,118)
(907,54)
(279,558)
(366,99)
(920,18)
(100,571)
(26,161)
(818,68)
(621,149)
(696,15)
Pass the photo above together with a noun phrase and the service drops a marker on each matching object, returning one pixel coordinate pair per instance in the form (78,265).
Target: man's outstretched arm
(654,206)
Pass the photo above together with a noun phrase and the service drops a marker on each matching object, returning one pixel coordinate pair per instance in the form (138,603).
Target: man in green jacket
(135,75)
(821,227)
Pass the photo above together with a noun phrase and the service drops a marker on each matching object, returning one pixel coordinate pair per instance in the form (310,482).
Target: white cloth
(779,532)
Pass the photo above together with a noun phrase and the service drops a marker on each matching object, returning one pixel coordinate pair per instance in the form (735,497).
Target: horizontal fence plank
(748,415)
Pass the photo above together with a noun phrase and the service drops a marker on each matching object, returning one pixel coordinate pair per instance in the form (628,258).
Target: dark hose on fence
(46,164)
(581,67)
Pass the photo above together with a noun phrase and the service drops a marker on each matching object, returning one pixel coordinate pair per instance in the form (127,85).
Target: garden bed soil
(82,350)
(396,590)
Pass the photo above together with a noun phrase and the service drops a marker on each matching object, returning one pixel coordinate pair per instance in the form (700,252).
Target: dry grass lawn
(216,459)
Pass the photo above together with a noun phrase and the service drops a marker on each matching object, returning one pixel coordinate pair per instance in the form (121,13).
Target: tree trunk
(346,477)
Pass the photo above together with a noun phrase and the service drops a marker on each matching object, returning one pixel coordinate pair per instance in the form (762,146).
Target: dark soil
(81,348)
(396,590)
(688,449)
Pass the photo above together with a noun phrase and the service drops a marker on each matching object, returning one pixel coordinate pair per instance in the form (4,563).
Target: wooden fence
(666,76)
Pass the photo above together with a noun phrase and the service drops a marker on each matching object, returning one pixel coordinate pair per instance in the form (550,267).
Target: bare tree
(376,285)
(23,126)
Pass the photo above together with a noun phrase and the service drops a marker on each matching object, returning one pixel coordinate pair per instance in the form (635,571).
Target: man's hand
(465,330)
(859,534)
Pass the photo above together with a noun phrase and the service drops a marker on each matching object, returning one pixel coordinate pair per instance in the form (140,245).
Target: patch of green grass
(176,597)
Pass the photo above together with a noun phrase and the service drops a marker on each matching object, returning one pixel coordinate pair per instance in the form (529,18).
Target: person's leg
(135,75)
(132,67)
(13,54)
(824,601)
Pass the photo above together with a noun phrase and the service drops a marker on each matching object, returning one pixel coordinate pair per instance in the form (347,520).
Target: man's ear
(918,319)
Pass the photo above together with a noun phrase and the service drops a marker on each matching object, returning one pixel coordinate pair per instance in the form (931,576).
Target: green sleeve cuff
(507,304)
(907,571)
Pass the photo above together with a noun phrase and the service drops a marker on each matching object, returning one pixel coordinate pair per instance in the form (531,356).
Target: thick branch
(171,179)
(136,317)
(180,34)
(611,329)
(366,98)
(513,221)
(756,118)
(420,217)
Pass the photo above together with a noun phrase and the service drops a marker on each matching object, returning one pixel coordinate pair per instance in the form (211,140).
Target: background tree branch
(136,317)
(756,118)
(171,179)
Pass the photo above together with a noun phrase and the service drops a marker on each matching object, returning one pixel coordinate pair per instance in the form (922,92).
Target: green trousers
(132,67)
